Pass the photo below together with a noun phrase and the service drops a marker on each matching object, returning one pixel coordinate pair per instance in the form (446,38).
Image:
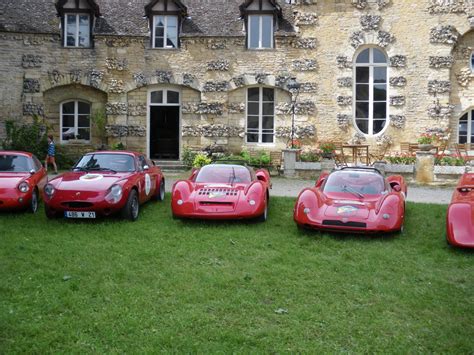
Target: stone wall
(212,74)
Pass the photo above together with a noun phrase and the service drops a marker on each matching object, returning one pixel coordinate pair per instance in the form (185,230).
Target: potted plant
(327,149)
(425,142)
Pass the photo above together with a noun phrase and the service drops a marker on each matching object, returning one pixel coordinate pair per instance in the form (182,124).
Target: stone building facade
(209,84)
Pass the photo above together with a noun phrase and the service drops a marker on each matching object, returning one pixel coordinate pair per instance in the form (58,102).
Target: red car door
(145,180)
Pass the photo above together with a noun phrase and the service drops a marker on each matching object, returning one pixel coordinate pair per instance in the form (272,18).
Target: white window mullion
(260,27)
(260,115)
(77,30)
(469,131)
(76,118)
(371,100)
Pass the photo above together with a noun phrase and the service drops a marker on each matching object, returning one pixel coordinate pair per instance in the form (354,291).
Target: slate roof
(126,17)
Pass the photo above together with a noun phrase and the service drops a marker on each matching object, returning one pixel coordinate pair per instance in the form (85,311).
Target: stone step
(171,165)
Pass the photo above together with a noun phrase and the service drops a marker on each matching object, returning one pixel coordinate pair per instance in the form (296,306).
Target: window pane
(71,41)
(172,37)
(267,138)
(68,133)
(268,109)
(362,74)
(462,139)
(254,31)
(172,21)
(71,30)
(159,42)
(462,127)
(83,121)
(84,31)
(267,122)
(363,57)
(84,108)
(159,21)
(472,61)
(362,110)
(253,94)
(268,94)
(173,97)
(380,110)
(363,125)
(68,108)
(83,133)
(253,108)
(378,126)
(252,138)
(380,92)
(156,97)
(68,120)
(380,74)
(267,31)
(71,20)
(379,57)
(252,122)
(362,92)
(159,32)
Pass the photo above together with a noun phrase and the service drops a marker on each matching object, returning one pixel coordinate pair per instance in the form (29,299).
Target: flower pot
(328,155)
(425,147)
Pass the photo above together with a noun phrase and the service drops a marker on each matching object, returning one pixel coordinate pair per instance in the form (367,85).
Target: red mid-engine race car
(222,191)
(22,179)
(103,183)
(353,199)
(460,216)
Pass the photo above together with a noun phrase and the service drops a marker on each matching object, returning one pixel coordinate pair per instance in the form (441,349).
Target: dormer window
(165,17)
(261,18)
(77,18)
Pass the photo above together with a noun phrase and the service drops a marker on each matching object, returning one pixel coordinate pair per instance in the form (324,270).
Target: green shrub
(200,160)
(451,161)
(26,137)
(118,146)
(310,156)
(232,159)
(188,157)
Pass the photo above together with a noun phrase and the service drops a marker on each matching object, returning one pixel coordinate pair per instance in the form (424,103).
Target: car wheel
(49,213)
(132,207)
(263,217)
(33,208)
(160,196)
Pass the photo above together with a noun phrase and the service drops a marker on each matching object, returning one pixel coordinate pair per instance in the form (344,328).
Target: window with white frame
(77,30)
(75,121)
(165,31)
(370,91)
(466,128)
(260,31)
(260,115)
(164,97)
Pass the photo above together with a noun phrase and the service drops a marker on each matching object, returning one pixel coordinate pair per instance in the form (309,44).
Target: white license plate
(74,214)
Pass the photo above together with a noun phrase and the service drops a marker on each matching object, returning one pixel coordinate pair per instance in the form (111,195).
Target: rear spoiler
(371,168)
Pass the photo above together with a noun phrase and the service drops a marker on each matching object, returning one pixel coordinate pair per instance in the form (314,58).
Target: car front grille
(75,204)
(330,222)
(220,190)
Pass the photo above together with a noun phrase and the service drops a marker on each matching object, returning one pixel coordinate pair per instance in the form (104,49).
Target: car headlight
(306,210)
(24,187)
(115,194)
(179,202)
(252,202)
(49,190)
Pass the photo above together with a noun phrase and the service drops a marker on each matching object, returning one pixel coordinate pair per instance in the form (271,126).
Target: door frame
(165,89)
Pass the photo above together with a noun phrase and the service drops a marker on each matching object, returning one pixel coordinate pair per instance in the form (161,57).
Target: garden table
(356,148)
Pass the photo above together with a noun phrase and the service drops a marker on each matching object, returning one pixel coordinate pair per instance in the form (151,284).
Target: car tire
(49,213)
(264,216)
(132,207)
(33,207)
(160,194)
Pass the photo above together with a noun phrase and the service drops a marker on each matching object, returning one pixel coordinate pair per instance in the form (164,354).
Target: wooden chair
(275,161)
(378,154)
(462,150)
(339,157)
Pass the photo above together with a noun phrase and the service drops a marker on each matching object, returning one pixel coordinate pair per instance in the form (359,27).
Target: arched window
(75,121)
(466,128)
(371,108)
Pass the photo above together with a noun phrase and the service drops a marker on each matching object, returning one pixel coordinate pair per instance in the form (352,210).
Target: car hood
(346,206)
(11,180)
(88,181)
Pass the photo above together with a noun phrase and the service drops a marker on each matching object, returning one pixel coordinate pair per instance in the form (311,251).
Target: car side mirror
(32,171)
(320,182)
(146,167)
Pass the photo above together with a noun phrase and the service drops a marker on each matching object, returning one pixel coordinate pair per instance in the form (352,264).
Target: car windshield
(355,182)
(224,174)
(15,163)
(111,162)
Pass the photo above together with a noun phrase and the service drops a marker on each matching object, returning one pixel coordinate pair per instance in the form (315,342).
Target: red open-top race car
(103,183)
(355,199)
(222,191)
(22,179)
(460,216)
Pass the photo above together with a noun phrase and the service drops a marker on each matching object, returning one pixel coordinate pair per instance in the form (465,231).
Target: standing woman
(51,154)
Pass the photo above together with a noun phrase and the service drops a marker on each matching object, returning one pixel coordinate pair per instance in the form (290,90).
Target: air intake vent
(224,191)
(74,204)
(330,222)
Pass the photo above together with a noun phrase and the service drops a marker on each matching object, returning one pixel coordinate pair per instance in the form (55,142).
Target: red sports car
(103,183)
(222,191)
(353,199)
(22,178)
(460,216)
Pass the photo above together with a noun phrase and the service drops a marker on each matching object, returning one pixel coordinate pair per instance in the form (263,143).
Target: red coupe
(222,191)
(460,216)
(353,199)
(103,183)
(22,178)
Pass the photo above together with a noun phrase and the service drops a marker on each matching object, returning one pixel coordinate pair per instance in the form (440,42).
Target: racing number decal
(147,184)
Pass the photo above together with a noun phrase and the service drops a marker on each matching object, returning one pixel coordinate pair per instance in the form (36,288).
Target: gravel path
(291,188)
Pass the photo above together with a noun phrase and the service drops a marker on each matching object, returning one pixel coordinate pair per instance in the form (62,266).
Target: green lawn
(183,286)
